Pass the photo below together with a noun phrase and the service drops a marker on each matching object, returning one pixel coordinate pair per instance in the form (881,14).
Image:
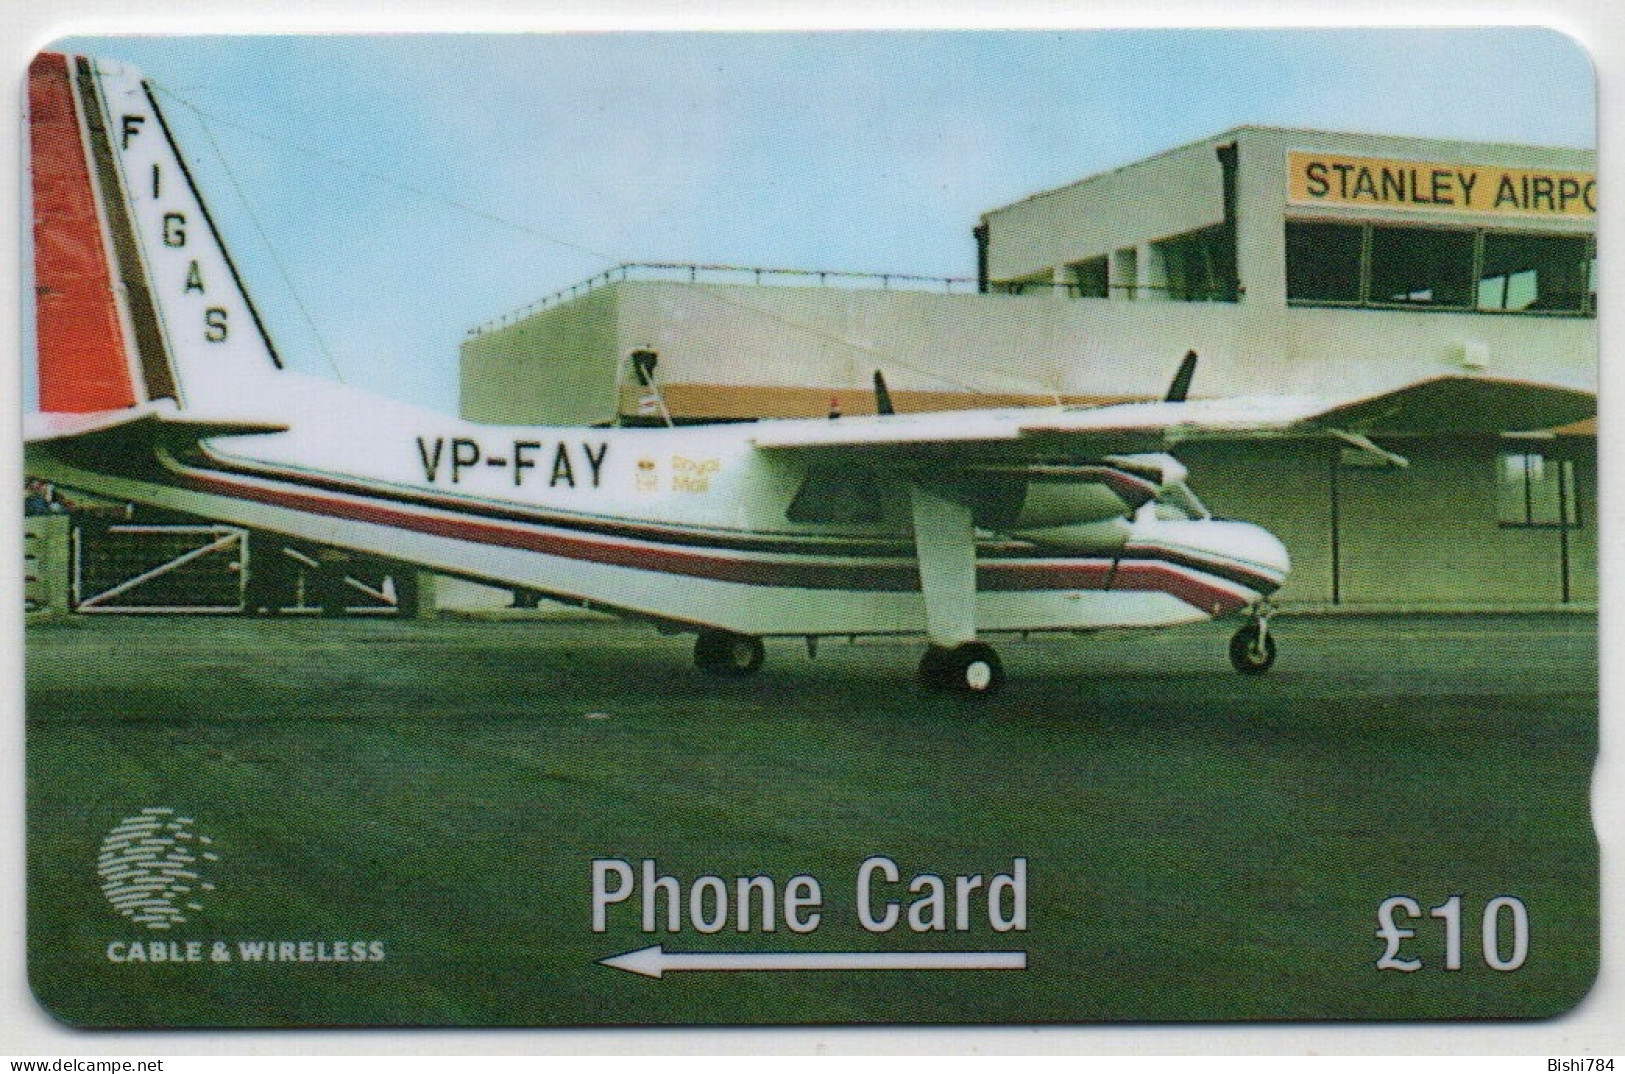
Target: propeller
(1180,388)
(882,396)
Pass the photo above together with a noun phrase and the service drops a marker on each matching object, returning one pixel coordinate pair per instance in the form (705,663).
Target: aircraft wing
(1462,405)
(1445,405)
(981,469)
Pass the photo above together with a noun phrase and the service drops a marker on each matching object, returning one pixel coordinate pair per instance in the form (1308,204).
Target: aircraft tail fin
(137,299)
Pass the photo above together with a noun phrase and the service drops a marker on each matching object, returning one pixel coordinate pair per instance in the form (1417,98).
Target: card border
(1591,1028)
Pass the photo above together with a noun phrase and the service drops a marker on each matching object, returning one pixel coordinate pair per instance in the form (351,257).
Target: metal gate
(286,579)
(128,568)
(142,568)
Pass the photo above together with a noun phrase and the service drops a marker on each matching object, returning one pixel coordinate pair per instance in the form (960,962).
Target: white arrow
(656,961)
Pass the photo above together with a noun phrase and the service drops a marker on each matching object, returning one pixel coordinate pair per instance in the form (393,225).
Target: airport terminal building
(1293,262)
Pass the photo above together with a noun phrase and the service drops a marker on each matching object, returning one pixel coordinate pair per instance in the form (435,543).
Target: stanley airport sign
(1428,186)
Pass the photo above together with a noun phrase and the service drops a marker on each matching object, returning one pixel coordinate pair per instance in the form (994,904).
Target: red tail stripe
(82,362)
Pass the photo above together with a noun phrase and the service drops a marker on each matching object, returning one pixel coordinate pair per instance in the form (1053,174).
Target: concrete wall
(1165,195)
(557,367)
(1427,536)
(1463,556)
(1583,574)
(734,352)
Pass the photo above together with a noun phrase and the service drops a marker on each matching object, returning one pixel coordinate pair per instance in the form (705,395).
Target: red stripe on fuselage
(82,361)
(1209,597)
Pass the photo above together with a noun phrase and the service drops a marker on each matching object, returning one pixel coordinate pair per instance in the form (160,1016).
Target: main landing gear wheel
(1252,648)
(971,668)
(719,652)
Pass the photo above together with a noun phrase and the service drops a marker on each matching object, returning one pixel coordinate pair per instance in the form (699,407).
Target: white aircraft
(159,385)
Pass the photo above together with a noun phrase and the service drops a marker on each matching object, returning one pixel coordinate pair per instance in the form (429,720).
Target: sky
(383,195)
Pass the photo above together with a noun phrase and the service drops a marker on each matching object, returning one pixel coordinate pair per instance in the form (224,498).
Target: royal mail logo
(647,478)
(151,865)
(693,475)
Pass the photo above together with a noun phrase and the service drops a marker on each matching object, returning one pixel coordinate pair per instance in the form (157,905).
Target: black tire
(972,668)
(1252,652)
(721,652)
(934,672)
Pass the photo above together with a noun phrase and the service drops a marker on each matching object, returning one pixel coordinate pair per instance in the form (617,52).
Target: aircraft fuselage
(693,526)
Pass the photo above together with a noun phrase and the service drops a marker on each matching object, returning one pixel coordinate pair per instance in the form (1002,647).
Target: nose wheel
(720,652)
(972,668)
(1252,648)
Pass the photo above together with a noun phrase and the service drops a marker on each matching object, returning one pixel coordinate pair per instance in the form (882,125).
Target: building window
(1418,266)
(1389,266)
(1323,262)
(1535,490)
(1200,266)
(1089,277)
(1542,273)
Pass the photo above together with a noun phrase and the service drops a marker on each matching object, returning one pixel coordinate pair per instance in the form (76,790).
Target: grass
(1201,846)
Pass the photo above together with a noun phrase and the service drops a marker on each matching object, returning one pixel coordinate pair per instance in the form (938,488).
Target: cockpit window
(1176,502)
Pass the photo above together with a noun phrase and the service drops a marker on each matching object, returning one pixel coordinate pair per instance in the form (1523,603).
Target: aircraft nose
(1257,549)
(1252,553)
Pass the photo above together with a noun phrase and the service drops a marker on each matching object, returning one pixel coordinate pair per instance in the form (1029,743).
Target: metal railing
(733,274)
(1161,292)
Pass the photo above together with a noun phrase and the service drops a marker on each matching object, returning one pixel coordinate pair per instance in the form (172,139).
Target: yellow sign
(1425,186)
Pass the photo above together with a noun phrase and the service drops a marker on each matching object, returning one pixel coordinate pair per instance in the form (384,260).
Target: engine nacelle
(1052,503)
(1020,500)
(1088,539)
